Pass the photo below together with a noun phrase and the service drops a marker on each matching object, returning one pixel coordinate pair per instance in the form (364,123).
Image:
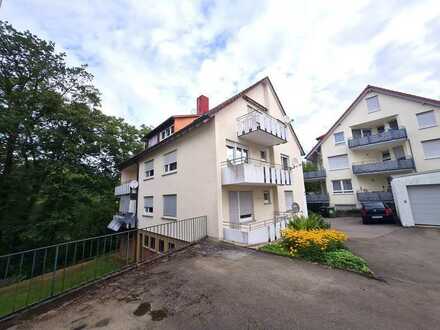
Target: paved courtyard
(214,285)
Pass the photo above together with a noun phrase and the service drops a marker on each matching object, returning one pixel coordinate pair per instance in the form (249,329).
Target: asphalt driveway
(214,285)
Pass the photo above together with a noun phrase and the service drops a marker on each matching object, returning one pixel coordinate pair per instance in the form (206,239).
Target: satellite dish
(295,207)
(287,119)
(133,184)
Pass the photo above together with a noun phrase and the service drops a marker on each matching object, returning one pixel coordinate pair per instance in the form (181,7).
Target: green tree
(59,154)
(311,186)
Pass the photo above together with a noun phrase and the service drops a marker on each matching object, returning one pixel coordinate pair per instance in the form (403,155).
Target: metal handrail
(389,135)
(379,161)
(253,225)
(248,160)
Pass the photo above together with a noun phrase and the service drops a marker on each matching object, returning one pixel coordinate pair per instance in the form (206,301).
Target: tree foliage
(59,154)
(311,186)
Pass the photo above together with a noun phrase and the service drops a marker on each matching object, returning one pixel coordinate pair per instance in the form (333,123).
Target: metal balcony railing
(373,196)
(254,171)
(384,166)
(258,121)
(391,135)
(315,175)
(317,198)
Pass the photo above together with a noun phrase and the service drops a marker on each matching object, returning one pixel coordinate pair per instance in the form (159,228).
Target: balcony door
(241,208)
(237,153)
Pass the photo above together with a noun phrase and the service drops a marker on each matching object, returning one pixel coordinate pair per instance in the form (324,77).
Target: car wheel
(365,221)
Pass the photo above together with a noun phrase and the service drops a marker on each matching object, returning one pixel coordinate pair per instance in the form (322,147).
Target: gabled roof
(374,89)
(207,117)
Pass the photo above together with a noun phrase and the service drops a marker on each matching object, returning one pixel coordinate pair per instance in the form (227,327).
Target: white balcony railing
(124,188)
(261,128)
(250,171)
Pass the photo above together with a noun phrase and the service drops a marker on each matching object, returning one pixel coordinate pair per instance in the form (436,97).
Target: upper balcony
(245,171)
(318,175)
(260,128)
(126,188)
(317,198)
(372,141)
(374,196)
(384,167)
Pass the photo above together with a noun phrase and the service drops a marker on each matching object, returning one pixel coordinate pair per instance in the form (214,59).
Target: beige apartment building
(383,133)
(238,163)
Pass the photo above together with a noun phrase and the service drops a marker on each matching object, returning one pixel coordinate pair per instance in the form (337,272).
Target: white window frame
(238,157)
(339,168)
(150,210)
(338,134)
(370,110)
(342,189)
(424,151)
(169,168)
(282,156)
(266,197)
(149,174)
(166,132)
(418,116)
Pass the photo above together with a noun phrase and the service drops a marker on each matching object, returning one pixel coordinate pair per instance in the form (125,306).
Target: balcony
(126,188)
(260,128)
(371,141)
(319,175)
(317,198)
(254,172)
(390,166)
(375,196)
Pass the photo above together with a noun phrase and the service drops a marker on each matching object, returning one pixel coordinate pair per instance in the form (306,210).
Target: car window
(374,205)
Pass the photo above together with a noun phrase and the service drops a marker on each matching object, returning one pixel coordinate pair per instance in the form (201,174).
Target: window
(124,204)
(393,124)
(431,148)
(149,169)
(170,206)
(366,132)
(161,245)
(339,137)
(263,155)
(380,129)
(266,196)
(148,205)
(166,132)
(152,243)
(170,162)
(285,162)
(386,155)
(338,162)
(146,240)
(373,104)
(288,196)
(237,153)
(426,119)
(152,141)
(171,246)
(240,206)
(342,186)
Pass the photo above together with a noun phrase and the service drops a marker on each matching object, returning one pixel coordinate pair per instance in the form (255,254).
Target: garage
(425,204)
(417,198)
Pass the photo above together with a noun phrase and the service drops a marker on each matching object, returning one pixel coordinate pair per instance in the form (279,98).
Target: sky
(151,59)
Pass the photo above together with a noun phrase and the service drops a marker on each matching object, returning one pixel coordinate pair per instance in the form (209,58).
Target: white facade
(217,161)
(383,133)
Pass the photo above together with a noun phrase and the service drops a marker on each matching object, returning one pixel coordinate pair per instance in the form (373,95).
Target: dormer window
(166,132)
(373,104)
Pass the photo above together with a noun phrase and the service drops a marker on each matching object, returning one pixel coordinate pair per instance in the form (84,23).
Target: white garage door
(425,204)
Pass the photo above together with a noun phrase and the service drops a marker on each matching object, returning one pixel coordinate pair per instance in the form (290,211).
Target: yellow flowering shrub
(311,244)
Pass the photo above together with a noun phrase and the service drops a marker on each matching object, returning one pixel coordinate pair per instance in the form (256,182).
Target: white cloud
(152,59)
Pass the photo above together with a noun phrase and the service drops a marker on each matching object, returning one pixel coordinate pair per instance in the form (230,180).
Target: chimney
(202,105)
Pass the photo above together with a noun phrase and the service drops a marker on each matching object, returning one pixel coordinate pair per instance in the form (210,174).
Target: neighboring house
(382,133)
(238,163)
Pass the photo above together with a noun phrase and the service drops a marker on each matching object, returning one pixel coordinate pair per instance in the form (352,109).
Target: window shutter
(338,162)
(289,199)
(170,206)
(373,103)
(431,148)
(124,204)
(245,198)
(148,202)
(149,166)
(170,158)
(426,119)
(233,207)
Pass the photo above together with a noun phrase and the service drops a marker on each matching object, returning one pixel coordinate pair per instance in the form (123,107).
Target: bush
(314,221)
(346,260)
(312,244)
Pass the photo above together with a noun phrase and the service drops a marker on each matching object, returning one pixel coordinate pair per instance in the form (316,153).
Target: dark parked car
(374,212)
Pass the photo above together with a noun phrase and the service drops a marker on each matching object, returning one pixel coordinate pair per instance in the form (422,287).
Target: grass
(27,292)
(341,258)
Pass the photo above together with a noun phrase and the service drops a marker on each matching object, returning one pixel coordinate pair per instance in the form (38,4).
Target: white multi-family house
(238,163)
(383,133)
